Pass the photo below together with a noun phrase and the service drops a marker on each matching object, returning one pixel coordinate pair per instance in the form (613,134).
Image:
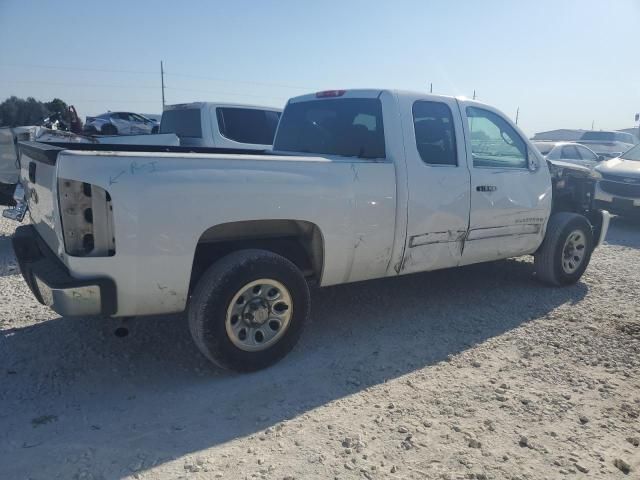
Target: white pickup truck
(361,184)
(221,125)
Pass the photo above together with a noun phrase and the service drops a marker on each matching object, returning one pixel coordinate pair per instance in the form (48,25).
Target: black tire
(217,288)
(548,260)
(109,129)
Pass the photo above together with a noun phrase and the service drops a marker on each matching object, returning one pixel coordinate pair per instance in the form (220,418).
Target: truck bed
(47,152)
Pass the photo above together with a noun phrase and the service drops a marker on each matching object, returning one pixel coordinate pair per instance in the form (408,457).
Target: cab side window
(494,143)
(435,134)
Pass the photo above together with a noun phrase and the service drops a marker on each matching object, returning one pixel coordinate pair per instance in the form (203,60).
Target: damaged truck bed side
(361,184)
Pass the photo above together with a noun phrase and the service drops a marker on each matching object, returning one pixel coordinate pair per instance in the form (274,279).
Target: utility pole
(162,82)
(517,114)
(474,94)
(592,124)
(431,87)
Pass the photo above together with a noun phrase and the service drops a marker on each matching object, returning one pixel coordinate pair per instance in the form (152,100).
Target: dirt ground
(478,372)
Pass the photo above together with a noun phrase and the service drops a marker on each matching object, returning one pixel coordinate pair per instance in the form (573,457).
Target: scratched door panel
(438,181)
(510,201)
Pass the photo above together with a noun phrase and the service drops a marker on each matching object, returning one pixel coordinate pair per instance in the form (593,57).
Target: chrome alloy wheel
(259,315)
(573,253)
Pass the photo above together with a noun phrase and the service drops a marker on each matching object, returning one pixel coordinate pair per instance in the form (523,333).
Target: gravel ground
(470,373)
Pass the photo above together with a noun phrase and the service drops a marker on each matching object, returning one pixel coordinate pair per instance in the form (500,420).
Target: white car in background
(569,152)
(120,123)
(610,144)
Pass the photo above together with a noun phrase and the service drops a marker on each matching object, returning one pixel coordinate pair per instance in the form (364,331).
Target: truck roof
(361,93)
(219,104)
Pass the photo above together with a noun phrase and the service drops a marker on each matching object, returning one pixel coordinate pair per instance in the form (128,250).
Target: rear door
(510,188)
(438,182)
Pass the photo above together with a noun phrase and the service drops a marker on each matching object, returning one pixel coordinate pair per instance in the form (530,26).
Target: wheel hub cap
(574,251)
(259,315)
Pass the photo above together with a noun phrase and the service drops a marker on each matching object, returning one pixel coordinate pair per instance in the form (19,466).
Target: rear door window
(570,153)
(587,154)
(349,127)
(248,125)
(435,136)
(184,122)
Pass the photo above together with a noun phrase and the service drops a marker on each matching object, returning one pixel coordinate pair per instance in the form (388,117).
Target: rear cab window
(248,125)
(184,122)
(435,135)
(348,127)
(494,143)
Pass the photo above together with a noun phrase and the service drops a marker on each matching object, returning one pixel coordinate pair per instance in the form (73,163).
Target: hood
(620,167)
(560,168)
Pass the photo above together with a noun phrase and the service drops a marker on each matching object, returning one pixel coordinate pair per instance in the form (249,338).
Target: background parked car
(120,123)
(610,144)
(569,152)
(619,189)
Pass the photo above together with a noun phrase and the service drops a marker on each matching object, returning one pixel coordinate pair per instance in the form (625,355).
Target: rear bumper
(51,284)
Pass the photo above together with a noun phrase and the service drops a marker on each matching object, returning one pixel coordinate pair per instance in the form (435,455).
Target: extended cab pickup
(361,184)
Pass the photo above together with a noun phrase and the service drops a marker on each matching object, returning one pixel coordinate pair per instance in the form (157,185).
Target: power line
(86,69)
(98,85)
(143,72)
(219,92)
(249,82)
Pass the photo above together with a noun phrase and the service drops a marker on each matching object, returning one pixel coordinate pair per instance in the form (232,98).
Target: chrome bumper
(604,227)
(51,283)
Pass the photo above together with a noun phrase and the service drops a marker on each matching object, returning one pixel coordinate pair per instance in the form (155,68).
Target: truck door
(438,183)
(510,188)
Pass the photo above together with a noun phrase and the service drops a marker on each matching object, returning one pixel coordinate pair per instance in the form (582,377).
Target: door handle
(486,188)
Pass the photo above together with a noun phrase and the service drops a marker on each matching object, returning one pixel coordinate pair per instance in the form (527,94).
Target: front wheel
(248,310)
(566,250)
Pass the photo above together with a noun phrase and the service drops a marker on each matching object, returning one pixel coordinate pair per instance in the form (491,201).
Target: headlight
(87,219)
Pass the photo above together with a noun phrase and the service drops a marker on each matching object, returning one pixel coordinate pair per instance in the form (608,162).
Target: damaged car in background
(120,123)
(361,184)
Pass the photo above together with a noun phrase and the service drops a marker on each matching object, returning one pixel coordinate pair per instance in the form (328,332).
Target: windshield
(350,127)
(633,154)
(183,122)
(609,137)
(599,136)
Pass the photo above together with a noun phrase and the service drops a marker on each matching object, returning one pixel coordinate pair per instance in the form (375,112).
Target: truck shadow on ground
(115,406)
(624,232)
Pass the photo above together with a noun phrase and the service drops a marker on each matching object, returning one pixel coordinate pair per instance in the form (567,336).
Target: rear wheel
(248,310)
(566,250)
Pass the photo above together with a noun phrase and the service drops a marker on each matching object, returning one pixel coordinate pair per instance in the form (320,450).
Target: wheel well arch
(299,241)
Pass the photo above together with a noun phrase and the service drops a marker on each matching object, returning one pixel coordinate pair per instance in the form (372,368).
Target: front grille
(622,189)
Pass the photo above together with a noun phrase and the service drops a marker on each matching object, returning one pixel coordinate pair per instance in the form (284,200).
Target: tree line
(15,112)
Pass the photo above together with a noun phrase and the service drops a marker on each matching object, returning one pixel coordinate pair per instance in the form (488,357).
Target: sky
(562,63)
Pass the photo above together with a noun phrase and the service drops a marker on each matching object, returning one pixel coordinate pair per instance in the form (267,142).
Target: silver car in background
(120,123)
(619,189)
(610,144)
(569,152)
